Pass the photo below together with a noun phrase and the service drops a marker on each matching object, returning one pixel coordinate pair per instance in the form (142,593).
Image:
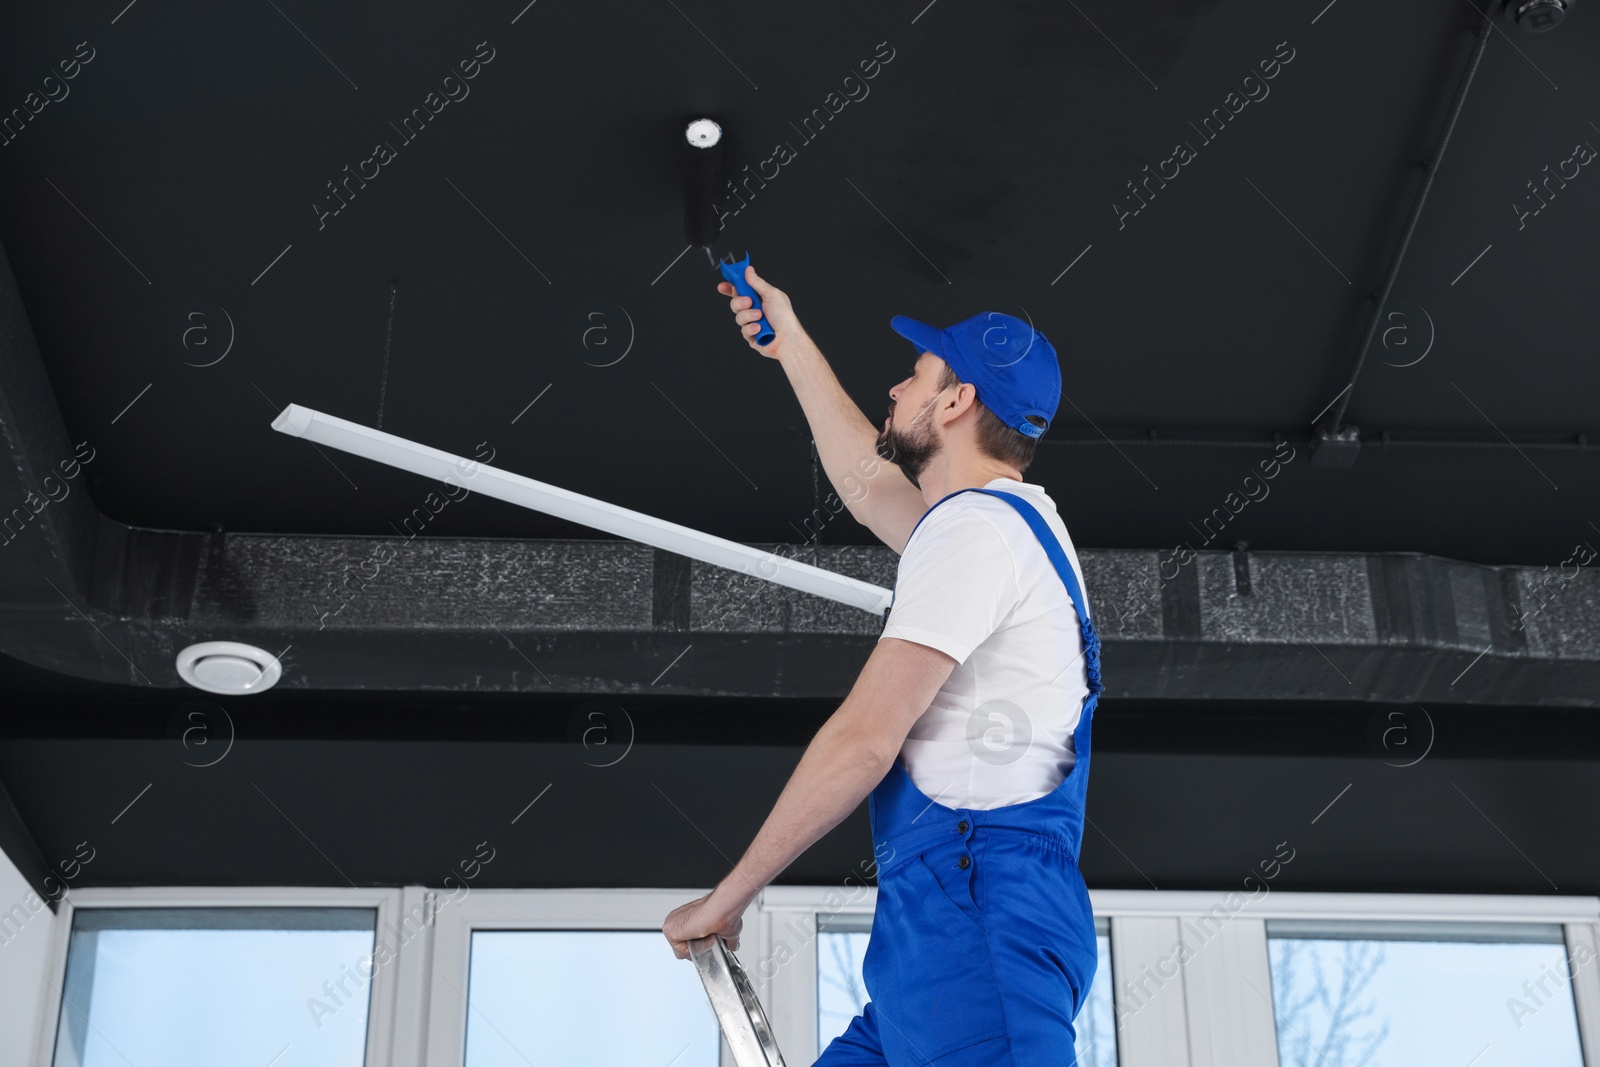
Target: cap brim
(926,338)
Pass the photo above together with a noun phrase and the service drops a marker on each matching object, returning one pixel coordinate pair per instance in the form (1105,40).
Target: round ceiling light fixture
(229,668)
(703,133)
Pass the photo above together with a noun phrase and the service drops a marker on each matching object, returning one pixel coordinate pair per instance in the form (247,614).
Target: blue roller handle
(734,272)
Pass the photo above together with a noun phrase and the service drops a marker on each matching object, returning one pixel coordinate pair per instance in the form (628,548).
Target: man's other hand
(715,913)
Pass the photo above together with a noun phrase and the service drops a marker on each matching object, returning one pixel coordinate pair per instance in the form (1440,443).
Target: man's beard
(912,450)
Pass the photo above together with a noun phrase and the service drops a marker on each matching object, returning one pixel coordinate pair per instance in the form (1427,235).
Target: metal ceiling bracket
(1334,444)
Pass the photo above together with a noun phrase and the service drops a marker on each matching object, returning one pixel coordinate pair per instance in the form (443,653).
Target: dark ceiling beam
(613,618)
(48,524)
(50,529)
(1335,444)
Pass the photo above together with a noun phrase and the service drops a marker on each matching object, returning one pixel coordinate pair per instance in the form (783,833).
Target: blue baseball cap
(1013,367)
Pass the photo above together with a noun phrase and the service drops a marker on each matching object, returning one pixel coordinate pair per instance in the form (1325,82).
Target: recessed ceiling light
(703,133)
(229,667)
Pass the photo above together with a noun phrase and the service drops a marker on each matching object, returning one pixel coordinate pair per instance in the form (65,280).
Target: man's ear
(966,397)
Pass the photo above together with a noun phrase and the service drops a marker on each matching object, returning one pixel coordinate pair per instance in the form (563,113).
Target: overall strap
(1052,546)
(1063,566)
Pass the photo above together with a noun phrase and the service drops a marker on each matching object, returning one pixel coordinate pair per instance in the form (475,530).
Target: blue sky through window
(202,997)
(569,997)
(1412,1003)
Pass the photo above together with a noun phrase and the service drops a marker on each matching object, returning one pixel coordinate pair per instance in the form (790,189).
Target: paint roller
(702,180)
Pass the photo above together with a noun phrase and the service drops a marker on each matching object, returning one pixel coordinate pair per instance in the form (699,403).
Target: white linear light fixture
(386,448)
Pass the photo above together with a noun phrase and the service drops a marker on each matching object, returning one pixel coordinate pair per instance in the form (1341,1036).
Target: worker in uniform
(968,731)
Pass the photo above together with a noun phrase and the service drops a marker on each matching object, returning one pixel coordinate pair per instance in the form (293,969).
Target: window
(1096,1023)
(585,996)
(1418,994)
(201,977)
(841,993)
(287,986)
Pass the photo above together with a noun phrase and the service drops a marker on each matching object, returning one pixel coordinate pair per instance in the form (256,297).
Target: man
(983,684)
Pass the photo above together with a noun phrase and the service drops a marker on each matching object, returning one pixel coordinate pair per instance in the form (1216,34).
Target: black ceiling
(986,156)
(163,211)
(295,788)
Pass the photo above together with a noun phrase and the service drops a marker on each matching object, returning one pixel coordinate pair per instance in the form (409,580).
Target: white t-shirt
(975,583)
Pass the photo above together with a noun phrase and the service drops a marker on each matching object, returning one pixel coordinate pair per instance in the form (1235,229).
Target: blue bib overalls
(983,945)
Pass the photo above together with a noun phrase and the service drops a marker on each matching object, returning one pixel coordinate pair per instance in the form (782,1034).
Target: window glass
(1422,994)
(1096,1023)
(841,992)
(585,997)
(285,986)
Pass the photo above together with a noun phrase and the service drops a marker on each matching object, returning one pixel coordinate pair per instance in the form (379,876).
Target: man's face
(912,443)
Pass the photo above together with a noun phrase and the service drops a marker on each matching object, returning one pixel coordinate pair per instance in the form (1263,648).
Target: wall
(25,927)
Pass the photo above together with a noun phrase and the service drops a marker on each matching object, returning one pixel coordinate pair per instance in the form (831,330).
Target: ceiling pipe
(1334,444)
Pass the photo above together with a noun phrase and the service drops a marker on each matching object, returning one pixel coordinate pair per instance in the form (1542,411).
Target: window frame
(385,980)
(1211,1025)
(1206,1024)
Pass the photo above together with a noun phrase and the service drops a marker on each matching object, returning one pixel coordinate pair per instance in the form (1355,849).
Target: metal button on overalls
(968,973)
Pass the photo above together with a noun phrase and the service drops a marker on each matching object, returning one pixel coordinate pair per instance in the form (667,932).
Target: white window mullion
(49,1016)
(1151,1013)
(1228,990)
(442,1030)
(411,979)
(789,959)
(381,1002)
(1583,962)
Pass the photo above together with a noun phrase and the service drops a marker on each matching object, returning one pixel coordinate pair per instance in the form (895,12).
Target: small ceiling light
(229,668)
(703,133)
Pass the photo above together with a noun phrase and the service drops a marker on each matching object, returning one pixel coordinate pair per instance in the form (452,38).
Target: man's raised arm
(876,491)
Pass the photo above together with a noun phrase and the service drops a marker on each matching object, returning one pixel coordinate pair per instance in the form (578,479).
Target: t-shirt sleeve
(957,581)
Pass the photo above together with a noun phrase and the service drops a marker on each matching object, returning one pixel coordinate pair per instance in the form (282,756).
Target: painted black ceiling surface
(387,813)
(173,203)
(515,275)
(338,788)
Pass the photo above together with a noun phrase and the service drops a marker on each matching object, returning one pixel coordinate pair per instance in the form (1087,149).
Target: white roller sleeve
(386,448)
